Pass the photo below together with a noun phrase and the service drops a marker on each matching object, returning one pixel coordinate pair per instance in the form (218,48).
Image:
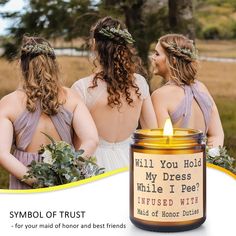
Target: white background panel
(107,201)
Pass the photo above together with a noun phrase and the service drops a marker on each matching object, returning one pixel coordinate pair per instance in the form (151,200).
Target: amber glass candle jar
(168,180)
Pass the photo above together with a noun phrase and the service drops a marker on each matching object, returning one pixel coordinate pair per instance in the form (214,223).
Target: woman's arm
(85,129)
(148,117)
(7,160)
(78,88)
(160,107)
(215,134)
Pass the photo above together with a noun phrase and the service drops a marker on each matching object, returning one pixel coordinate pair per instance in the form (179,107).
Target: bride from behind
(116,95)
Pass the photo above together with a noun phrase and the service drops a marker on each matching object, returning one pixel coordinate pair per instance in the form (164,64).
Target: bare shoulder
(159,95)
(15,98)
(71,94)
(72,99)
(160,91)
(12,103)
(168,96)
(165,91)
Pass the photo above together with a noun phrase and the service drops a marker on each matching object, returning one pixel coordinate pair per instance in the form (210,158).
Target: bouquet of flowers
(219,156)
(61,164)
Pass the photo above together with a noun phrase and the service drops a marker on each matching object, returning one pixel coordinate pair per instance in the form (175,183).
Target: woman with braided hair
(40,104)
(117,97)
(183,98)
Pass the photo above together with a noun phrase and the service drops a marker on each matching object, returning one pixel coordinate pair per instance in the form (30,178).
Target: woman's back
(40,105)
(188,106)
(185,99)
(116,97)
(114,124)
(32,124)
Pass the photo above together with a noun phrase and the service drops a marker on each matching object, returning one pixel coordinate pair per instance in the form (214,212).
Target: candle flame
(168,128)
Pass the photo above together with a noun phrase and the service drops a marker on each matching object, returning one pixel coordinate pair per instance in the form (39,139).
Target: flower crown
(112,32)
(186,51)
(38,48)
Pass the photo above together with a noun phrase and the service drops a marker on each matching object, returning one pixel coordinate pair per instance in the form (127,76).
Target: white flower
(214,152)
(47,157)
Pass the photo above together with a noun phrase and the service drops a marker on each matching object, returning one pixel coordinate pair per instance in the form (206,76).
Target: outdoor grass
(4,176)
(219,77)
(227,110)
(217,48)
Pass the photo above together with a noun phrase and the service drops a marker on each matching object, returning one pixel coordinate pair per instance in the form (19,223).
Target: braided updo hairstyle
(118,59)
(182,58)
(40,75)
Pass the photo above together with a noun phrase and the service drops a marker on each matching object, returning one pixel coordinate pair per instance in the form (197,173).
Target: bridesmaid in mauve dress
(184,99)
(40,104)
(25,126)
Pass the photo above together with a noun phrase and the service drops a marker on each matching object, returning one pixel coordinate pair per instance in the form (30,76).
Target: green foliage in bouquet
(61,164)
(219,156)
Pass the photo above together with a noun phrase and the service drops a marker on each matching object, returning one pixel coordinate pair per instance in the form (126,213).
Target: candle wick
(168,140)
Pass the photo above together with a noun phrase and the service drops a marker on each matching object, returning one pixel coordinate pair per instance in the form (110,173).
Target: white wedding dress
(112,124)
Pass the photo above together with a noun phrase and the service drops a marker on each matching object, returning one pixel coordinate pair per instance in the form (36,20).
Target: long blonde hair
(40,75)
(182,58)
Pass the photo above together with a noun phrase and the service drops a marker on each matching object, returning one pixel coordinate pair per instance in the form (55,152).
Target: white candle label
(168,188)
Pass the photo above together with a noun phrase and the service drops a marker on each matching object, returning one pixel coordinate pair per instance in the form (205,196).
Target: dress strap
(204,103)
(62,122)
(184,109)
(142,84)
(89,95)
(25,126)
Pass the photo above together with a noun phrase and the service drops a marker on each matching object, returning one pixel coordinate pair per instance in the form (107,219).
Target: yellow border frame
(92,179)
(65,186)
(221,169)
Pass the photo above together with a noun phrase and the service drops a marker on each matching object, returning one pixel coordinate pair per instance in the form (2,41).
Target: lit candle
(168,130)
(168,179)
